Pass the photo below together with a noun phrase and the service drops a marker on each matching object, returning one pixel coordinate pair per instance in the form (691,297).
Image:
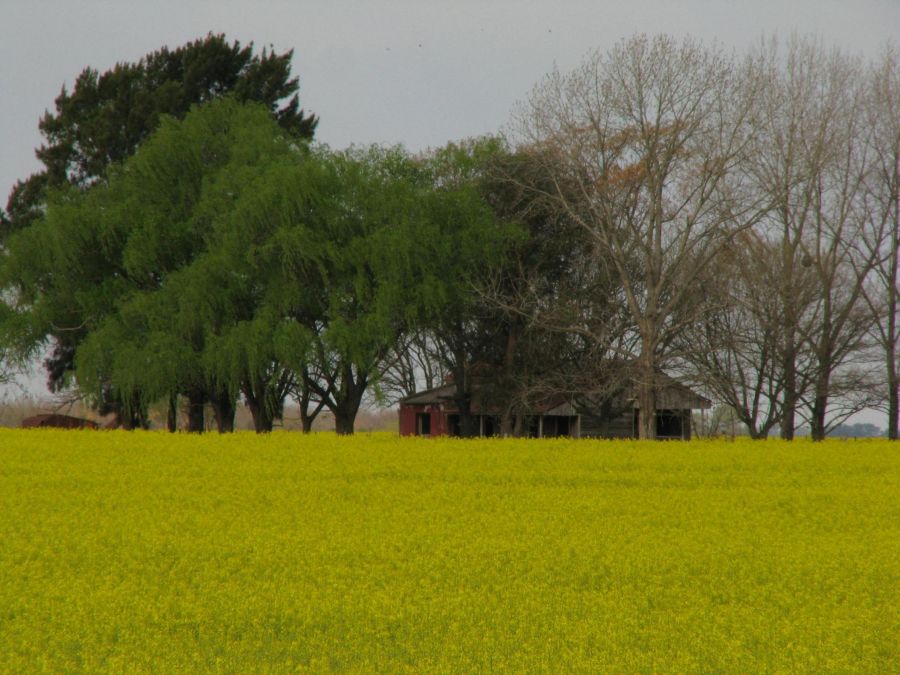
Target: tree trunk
(647,413)
(507,419)
(817,424)
(789,325)
(172,414)
(124,421)
(754,434)
(262,418)
(893,397)
(306,417)
(196,402)
(255,395)
(506,423)
(306,421)
(789,408)
(891,343)
(223,410)
(344,422)
(461,397)
(646,396)
(347,400)
(892,301)
(819,408)
(345,412)
(518,425)
(468,424)
(131,414)
(263,422)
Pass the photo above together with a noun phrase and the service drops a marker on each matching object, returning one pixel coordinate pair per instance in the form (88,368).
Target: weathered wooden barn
(435,413)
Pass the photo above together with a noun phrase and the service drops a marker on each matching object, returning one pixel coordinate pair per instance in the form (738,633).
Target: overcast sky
(419,73)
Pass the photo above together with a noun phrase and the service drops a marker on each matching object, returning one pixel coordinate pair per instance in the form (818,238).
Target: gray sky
(413,72)
(419,73)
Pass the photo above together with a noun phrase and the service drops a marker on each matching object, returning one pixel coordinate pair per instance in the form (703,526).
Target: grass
(152,552)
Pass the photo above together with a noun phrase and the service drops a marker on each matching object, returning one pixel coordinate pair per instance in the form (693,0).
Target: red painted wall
(408,419)
(438,421)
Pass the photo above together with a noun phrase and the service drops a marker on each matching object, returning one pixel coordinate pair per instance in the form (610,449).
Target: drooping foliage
(107,116)
(129,262)
(224,259)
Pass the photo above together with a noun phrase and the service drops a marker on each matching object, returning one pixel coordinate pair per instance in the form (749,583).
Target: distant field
(240,553)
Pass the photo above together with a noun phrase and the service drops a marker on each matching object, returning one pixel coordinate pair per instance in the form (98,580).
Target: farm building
(435,413)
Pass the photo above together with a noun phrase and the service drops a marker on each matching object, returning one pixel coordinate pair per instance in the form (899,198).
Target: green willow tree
(106,117)
(461,240)
(126,264)
(404,248)
(226,259)
(213,190)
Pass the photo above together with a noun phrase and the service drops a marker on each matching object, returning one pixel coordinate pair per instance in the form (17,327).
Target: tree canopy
(106,116)
(224,259)
(668,205)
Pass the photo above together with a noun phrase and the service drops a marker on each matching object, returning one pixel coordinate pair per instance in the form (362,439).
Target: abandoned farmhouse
(435,413)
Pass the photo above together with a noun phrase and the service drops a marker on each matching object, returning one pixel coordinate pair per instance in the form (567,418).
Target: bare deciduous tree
(810,160)
(883,235)
(653,133)
(733,352)
(414,365)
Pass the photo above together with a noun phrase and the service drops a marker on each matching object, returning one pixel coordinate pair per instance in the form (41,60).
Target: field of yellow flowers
(243,553)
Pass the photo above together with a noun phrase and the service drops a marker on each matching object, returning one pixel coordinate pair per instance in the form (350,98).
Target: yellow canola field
(242,553)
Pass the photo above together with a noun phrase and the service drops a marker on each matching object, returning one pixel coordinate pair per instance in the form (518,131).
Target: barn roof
(671,394)
(434,396)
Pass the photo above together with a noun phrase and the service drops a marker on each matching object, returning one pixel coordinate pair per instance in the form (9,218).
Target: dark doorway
(669,424)
(453,428)
(556,425)
(423,424)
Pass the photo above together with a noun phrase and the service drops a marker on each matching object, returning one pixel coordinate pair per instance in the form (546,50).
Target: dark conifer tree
(107,116)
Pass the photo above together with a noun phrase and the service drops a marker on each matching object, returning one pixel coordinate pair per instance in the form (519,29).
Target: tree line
(732,219)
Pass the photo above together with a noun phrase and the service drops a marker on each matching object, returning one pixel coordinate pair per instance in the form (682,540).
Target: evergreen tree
(107,116)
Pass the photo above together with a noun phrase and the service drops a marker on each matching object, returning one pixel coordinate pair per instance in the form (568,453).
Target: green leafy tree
(402,248)
(266,245)
(106,117)
(371,277)
(126,276)
(513,320)
(223,258)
